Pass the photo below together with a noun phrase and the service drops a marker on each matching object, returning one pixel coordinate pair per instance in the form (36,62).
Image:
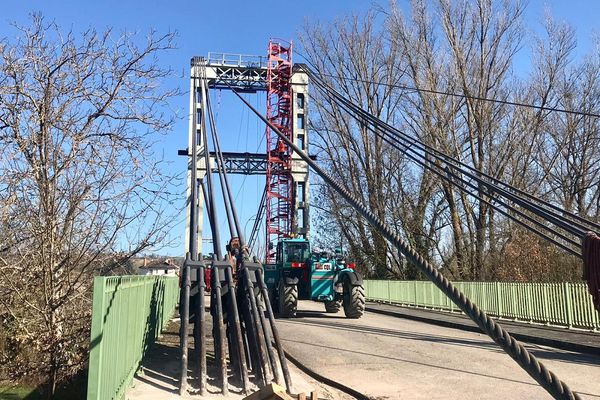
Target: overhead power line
(452,94)
(465,96)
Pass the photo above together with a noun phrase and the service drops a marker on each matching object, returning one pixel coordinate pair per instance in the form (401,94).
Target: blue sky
(238,26)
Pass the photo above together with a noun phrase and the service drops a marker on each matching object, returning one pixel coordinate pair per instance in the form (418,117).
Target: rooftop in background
(157,262)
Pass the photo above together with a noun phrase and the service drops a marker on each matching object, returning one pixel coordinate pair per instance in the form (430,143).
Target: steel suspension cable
(262,323)
(493,202)
(220,168)
(238,344)
(557,220)
(590,225)
(574,219)
(220,173)
(447,175)
(537,370)
(223,172)
(216,301)
(214,223)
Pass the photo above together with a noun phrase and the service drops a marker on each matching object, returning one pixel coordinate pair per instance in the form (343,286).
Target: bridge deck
(396,358)
(387,357)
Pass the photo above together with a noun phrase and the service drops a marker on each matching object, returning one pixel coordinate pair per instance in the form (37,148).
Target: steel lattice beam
(244,163)
(245,73)
(241,163)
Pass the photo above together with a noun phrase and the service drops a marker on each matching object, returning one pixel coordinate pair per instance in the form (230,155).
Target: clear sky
(238,26)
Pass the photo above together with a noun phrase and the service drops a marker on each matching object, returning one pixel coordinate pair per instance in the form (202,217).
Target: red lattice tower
(279,155)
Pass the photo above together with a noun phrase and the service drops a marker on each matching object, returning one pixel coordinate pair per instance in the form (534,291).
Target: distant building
(158,267)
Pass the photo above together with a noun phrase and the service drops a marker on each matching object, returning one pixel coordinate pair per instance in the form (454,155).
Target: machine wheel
(288,300)
(333,306)
(354,300)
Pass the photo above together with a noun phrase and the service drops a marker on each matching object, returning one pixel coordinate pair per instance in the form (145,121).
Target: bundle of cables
(564,229)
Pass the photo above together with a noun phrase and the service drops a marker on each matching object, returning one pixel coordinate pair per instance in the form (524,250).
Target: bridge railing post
(498,300)
(568,304)
(389,294)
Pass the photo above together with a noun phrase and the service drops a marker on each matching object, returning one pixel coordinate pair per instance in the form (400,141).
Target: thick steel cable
(590,224)
(555,210)
(451,94)
(260,324)
(224,177)
(492,189)
(238,344)
(220,168)
(447,159)
(494,202)
(557,219)
(560,223)
(447,175)
(184,300)
(538,371)
(214,223)
(323,379)
(216,300)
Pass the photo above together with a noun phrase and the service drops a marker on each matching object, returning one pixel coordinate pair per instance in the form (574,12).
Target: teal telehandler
(319,276)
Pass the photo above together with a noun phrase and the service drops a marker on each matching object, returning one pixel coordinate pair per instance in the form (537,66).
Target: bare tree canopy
(454,54)
(81,190)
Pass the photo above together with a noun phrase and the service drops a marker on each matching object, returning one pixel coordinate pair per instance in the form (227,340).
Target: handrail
(128,314)
(558,304)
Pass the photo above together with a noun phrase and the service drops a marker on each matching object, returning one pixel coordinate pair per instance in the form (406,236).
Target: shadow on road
(403,334)
(316,314)
(462,371)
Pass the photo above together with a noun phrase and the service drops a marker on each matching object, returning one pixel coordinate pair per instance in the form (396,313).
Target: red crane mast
(279,201)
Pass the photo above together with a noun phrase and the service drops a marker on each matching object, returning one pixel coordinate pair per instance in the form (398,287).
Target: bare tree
(81,190)
(570,156)
(352,57)
(460,59)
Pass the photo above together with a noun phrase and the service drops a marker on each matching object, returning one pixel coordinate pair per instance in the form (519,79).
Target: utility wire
(465,96)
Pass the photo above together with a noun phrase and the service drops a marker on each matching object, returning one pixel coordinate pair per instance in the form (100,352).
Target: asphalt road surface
(393,358)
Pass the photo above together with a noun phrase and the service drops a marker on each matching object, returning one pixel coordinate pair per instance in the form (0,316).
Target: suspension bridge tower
(286,174)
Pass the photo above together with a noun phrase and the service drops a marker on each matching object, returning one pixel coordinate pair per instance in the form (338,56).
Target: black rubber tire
(333,306)
(354,300)
(288,300)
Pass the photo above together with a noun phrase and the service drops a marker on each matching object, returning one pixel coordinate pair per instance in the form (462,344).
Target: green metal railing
(561,304)
(128,314)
